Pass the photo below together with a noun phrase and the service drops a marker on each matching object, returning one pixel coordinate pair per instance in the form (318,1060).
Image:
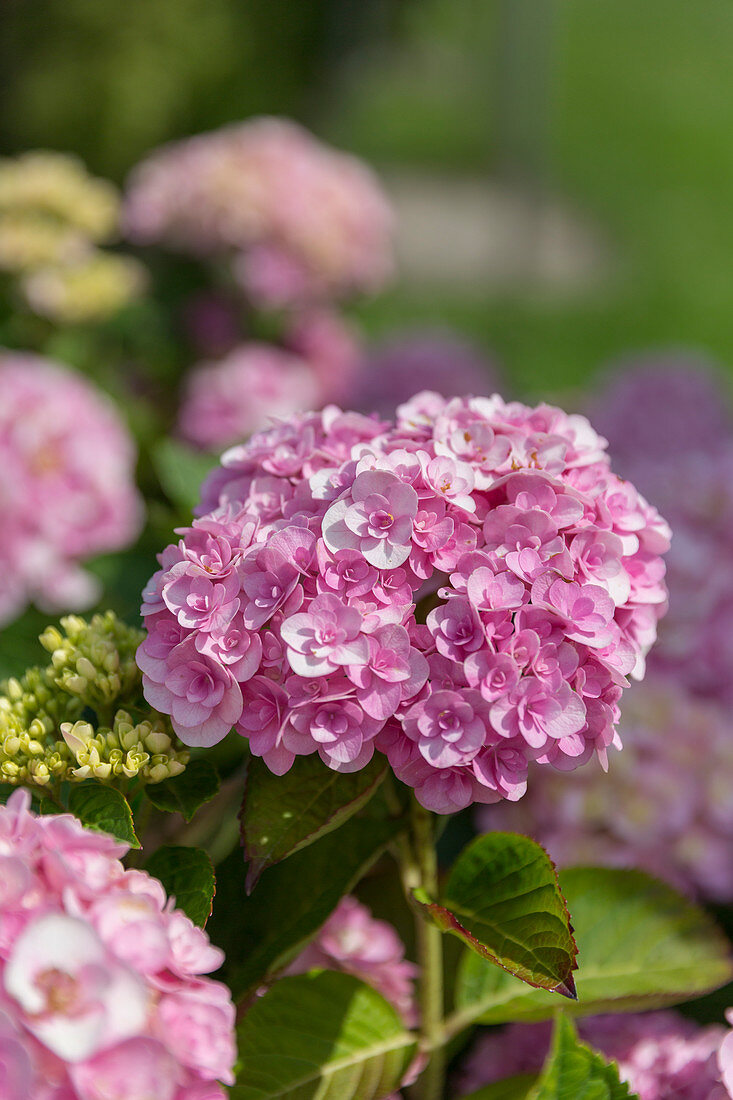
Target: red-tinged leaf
(504,901)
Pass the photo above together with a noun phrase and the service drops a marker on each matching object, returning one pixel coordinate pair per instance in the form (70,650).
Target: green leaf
(103,809)
(180,471)
(575,1072)
(188,876)
(503,900)
(511,1088)
(261,933)
(641,946)
(284,813)
(321,1036)
(185,793)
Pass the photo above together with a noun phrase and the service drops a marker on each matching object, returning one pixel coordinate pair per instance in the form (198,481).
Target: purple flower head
(660,1054)
(465,591)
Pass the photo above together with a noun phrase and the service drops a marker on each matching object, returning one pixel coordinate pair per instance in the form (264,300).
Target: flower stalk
(423,873)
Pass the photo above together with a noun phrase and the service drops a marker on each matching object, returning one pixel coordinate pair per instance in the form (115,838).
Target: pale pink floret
(465,591)
(67,488)
(102,993)
(376,519)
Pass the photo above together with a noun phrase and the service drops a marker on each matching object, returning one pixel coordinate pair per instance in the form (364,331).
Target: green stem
(422,871)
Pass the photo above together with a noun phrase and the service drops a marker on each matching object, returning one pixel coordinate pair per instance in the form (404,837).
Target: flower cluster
(66,484)
(300,220)
(466,591)
(352,940)
(679,451)
(659,1054)
(228,400)
(665,806)
(102,987)
(52,217)
(45,738)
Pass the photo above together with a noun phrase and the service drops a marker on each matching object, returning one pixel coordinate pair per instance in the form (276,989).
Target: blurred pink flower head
(465,590)
(352,940)
(102,987)
(253,385)
(301,221)
(66,484)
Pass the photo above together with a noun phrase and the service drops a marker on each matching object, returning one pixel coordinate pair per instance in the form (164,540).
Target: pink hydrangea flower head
(102,986)
(664,804)
(659,1054)
(301,221)
(465,590)
(66,484)
(353,941)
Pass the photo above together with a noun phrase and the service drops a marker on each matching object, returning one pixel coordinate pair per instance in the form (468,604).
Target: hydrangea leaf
(261,933)
(181,471)
(503,900)
(187,792)
(573,1071)
(322,1035)
(511,1088)
(188,876)
(103,809)
(641,946)
(283,813)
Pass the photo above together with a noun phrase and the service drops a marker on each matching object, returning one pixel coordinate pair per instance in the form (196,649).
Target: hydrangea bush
(467,591)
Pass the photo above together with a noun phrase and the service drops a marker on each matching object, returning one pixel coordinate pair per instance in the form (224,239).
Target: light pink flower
(102,992)
(353,941)
(376,518)
(302,221)
(253,385)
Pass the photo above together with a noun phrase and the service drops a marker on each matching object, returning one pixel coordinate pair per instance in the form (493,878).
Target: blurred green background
(600,128)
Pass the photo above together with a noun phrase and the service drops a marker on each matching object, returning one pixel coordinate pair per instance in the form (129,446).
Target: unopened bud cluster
(46,730)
